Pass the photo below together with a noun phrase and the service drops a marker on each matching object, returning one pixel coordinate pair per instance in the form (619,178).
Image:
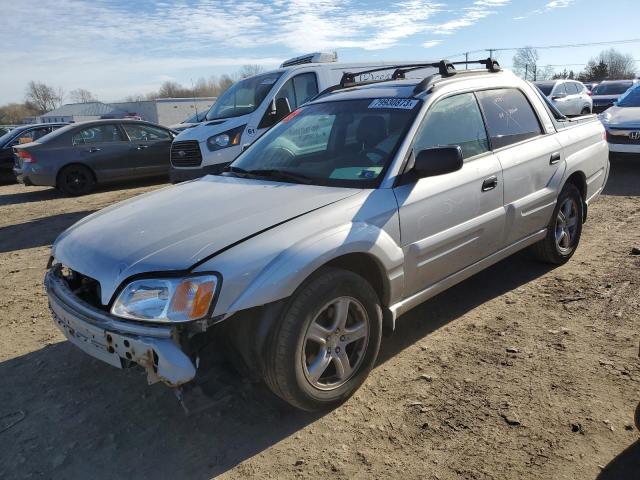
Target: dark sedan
(77,157)
(606,93)
(17,136)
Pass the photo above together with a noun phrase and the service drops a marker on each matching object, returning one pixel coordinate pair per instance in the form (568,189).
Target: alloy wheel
(566,225)
(335,343)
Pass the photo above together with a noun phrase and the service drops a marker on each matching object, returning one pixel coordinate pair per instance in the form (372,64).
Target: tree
(14,113)
(594,72)
(249,71)
(42,97)
(525,63)
(621,66)
(80,95)
(224,83)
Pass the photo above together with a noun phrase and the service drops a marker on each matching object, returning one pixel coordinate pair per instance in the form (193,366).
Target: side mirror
(438,161)
(559,96)
(281,108)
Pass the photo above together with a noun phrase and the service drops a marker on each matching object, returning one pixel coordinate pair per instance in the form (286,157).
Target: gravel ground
(523,371)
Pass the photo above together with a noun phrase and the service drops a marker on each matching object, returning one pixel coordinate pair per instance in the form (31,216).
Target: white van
(253,105)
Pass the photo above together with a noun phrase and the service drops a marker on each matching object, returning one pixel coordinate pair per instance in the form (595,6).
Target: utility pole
(526,70)
(466,59)
(491,53)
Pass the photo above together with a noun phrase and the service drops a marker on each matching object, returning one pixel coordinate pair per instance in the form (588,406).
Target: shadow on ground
(84,418)
(37,233)
(624,176)
(625,466)
(37,194)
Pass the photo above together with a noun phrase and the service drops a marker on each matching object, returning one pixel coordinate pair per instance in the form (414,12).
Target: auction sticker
(401,103)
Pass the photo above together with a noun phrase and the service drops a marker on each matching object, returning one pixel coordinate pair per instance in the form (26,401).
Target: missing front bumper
(114,341)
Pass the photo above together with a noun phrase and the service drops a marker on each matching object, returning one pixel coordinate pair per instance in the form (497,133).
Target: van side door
(450,221)
(530,159)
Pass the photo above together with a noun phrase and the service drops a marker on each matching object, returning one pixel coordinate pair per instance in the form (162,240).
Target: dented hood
(176,227)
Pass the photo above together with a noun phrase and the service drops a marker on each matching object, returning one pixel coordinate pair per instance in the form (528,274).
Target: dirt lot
(447,399)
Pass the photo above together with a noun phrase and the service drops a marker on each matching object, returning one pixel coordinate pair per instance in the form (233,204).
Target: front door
(150,148)
(451,221)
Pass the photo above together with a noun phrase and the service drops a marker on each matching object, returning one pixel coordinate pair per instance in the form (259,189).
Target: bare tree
(81,95)
(620,66)
(525,63)
(249,71)
(225,82)
(43,97)
(14,113)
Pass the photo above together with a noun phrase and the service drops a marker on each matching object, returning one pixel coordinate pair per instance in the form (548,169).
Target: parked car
(569,96)
(189,122)
(622,122)
(253,105)
(607,92)
(590,86)
(17,136)
(354,209)
(76,157)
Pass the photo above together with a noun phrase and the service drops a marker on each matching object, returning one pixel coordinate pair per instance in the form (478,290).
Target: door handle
(555,158)
(142,147)
(490,183)
(93,149)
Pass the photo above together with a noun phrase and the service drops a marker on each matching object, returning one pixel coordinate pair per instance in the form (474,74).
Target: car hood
(203,130)
(622,117)
(177,227)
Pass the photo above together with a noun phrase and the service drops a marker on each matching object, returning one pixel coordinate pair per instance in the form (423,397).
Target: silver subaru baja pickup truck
(356,207)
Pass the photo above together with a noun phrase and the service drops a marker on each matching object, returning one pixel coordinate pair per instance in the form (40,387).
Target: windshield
(346,143)
(631,98)
(243,97)
(545,88)
(611,88)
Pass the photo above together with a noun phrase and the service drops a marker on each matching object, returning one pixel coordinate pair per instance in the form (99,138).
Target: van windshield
(243,97)
(344,143)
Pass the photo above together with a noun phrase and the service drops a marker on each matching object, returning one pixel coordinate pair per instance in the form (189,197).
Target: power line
(547,47)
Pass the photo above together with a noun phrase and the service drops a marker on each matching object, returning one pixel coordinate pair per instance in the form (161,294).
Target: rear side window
(98,134)
(572,88)
(145,133)
(510,118)
(454,120)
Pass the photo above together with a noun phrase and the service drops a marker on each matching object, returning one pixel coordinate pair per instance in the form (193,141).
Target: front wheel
(326,342)
(564,228)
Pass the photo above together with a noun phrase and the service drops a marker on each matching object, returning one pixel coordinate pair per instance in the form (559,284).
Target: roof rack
(445,69)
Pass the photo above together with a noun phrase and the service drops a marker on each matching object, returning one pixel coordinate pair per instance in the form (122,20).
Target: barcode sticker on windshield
(401,103)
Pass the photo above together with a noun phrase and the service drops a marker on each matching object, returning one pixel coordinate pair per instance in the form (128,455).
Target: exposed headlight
(166,299)
(226,139)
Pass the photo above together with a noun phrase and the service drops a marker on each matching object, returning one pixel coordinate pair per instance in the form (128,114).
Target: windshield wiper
(280,174)
(241,172)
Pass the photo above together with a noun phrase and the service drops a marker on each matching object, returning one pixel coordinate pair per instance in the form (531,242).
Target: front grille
(622,137)
(186,154)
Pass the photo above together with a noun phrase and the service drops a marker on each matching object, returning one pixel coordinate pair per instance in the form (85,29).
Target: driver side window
(455,120)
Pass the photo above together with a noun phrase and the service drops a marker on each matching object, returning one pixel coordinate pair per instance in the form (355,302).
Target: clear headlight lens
(230,138)
(166,299)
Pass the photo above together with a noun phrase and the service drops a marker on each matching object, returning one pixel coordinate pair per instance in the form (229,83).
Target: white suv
(569,96)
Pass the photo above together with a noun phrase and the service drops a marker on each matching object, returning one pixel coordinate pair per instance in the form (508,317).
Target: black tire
(585,111)
(285,362)
(549,250)
(75,180)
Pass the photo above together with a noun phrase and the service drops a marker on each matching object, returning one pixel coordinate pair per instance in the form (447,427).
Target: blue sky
(121,47)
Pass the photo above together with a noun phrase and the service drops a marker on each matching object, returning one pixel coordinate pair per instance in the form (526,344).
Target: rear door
(451,221)
(575,97)
(530,159)
(105,149)
(150,148)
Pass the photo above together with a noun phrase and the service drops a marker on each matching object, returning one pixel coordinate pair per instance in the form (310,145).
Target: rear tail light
(26,156)
(589,92)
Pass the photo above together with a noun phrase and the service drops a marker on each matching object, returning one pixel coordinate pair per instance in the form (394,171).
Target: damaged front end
(159,349)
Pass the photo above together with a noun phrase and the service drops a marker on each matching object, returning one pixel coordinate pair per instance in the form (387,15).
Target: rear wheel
(76,180)
(326,342)
(585,111)
(564,228)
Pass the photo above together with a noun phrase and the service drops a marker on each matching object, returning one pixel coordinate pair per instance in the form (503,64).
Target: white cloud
(547,7)
(106,46)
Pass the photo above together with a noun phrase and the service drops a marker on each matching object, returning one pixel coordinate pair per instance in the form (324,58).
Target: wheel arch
(70,164)
(579,180)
